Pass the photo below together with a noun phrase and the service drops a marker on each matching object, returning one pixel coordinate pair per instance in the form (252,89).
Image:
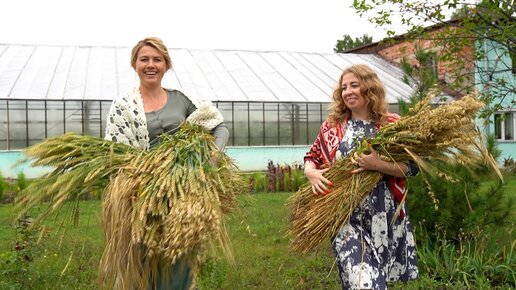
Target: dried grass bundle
(80,165)
(158,206)
(446,133)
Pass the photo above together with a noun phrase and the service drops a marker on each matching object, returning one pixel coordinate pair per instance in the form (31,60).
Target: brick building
(492,71)
(433,39)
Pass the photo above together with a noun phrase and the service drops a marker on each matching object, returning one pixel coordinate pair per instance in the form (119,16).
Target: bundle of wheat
(446,133)
(158,206)
(80,165)
(177,199)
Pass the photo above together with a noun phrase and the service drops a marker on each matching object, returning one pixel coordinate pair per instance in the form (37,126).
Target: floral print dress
(372,249)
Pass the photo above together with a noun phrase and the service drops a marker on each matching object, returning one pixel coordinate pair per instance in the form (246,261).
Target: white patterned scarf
(126,122)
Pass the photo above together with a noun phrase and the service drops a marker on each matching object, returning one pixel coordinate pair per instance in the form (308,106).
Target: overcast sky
(284,25)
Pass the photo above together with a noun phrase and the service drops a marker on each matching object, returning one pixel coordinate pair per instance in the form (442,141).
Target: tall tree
(420,74)
(489,27)
(347,42)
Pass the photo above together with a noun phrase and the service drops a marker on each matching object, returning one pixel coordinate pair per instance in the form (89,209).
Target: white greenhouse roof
(41,72)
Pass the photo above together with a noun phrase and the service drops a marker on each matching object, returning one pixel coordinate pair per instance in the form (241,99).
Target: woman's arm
(313,168)
(221,134)
(373,162)
(116,124)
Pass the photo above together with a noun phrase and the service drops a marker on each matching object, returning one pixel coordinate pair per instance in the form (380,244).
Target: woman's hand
(365,162)
(319,182)
(373,162)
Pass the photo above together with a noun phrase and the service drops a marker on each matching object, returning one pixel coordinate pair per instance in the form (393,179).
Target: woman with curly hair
(377,245)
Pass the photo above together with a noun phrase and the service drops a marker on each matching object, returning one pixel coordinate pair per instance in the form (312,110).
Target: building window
(504,125)
(431,64)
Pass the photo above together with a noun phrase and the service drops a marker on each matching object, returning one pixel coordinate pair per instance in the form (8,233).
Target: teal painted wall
(498,60)
(247,159)
(257,158)
(10,167)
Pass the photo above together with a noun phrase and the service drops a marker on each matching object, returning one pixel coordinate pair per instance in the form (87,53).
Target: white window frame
(500,126)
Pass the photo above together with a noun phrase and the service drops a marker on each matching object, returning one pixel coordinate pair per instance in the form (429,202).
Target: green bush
(21,182)
(463,204)
(260,182)
(256,180)
(277,178)
(284,178)
(3,187)
(509,165)
(17,263)
(482,259)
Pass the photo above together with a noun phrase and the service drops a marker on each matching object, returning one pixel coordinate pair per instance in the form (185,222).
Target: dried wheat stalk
(158,206)
(446,133)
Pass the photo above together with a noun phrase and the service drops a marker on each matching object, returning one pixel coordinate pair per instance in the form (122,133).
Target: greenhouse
(271,100)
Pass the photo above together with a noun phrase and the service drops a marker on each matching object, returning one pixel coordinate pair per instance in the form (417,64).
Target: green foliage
(347,42)
(257,181)
(463,203)
(492,147)
(486,22)
(421,75)
(277,178)
(462,11)
(282,178)
(44,258)
(479,260)
(18,261)
(509,165)
(3,187)
(21,182)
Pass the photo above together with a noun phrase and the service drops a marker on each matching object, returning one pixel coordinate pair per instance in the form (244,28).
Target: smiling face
(150,66)
(352,96)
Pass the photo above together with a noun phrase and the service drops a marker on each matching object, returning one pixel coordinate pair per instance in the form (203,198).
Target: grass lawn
(261,253)
(262,259)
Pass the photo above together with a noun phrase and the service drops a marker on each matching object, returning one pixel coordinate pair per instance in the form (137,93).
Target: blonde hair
(372,90)
(152,42)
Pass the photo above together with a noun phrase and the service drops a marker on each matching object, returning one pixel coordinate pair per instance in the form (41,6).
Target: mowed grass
(69,259)
(64,257)
(262,258)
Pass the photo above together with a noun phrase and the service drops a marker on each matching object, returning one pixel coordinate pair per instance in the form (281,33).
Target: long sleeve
(117,125)
(323,150)
(314,153)
(126,122)
(221,134)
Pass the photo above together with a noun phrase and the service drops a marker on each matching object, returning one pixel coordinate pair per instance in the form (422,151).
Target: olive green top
(175,111)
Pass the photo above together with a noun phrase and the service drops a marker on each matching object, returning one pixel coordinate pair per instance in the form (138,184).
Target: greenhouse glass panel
(105,106)
(271,124)
(299,123)
(241,123)
(92,119)
(17,129)
(3,124)
(55,118)
(256,114)
(36,122)
(287,126)
(73,120)
(316,115)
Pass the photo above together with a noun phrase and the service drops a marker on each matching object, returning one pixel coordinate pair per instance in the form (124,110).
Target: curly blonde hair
(155,43)
(372,90)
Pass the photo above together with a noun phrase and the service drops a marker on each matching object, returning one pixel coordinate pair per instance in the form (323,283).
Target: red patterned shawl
(323,151)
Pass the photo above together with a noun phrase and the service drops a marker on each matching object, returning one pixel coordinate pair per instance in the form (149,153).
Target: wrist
(309,165)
